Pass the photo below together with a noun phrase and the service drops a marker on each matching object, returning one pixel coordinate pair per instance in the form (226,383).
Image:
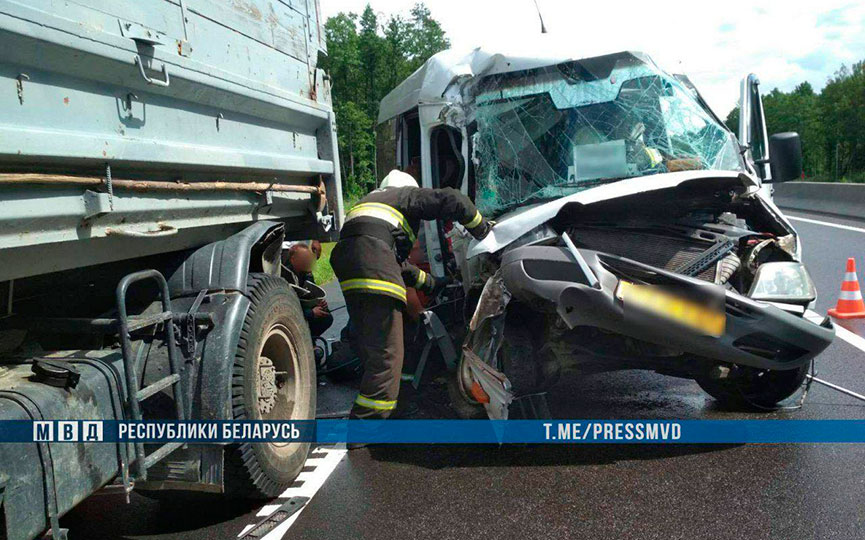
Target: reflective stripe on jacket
(373,285)
(383,212)
(379,232)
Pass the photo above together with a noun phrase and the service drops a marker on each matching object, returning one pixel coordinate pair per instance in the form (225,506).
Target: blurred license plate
(660,302)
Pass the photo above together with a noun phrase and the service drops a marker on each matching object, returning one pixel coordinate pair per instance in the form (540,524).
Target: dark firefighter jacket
(380,231)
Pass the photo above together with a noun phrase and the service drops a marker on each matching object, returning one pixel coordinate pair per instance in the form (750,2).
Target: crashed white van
(632,231)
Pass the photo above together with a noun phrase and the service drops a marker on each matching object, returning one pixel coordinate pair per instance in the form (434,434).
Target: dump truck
(154,156)
(634,229)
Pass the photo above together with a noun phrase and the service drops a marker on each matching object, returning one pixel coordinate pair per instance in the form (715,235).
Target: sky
(715,43)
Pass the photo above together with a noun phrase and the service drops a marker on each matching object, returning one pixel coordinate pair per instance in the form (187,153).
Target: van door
(448,170)
(435,155)
(752,130)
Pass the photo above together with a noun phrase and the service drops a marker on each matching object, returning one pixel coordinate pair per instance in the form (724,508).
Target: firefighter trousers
(377,322)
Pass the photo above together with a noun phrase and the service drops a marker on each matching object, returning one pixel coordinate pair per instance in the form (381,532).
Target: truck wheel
(273,379)
(754,388)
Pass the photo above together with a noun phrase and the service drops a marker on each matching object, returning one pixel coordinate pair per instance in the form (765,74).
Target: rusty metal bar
(13,179)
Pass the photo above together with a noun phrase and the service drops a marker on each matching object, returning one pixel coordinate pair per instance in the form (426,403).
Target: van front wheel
(753,388)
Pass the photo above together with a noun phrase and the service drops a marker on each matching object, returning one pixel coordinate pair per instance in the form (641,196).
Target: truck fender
(225,264)
(222,268)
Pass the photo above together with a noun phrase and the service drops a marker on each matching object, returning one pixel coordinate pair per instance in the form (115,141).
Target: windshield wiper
(595,182)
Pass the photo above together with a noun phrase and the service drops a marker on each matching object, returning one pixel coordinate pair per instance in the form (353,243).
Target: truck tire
(273,379)
(754,389)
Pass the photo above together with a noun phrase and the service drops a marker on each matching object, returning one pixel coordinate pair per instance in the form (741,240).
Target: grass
(322,273)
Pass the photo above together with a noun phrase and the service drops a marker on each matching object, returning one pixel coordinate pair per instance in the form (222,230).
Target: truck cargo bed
(172,91)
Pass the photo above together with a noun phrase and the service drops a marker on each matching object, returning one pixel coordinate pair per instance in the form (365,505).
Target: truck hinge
(20,85)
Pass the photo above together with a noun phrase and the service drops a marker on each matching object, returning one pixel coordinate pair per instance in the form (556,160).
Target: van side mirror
(785,157)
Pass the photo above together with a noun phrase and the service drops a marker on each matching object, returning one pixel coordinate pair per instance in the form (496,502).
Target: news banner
(437,431)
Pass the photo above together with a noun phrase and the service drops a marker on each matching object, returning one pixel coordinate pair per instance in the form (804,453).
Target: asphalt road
(598,491)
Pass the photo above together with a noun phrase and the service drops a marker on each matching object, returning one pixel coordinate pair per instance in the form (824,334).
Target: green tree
(371,47)
(396,38)
(831,123)
(842,107)
(426,37)
(356,148)
(732,120)
(798,111)
(343,61)
(366,60)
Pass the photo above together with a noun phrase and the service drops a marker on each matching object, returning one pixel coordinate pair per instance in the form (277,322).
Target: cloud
(714,43)
(834,17)
(815,61)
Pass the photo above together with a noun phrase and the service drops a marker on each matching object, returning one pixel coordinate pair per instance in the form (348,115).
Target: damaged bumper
(580,285)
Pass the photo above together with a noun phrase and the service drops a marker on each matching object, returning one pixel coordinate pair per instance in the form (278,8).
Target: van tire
(755,389)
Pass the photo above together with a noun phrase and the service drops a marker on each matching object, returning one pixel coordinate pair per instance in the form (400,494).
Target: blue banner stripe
(443,431)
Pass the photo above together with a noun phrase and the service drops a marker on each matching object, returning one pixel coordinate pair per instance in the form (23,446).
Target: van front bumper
(756,334)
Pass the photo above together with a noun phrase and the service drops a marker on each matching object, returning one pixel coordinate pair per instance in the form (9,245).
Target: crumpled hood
(516,223)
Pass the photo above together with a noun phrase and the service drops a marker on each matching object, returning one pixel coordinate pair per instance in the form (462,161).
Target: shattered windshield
(550,132)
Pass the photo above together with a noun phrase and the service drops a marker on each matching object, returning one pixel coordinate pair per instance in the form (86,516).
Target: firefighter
(370,262)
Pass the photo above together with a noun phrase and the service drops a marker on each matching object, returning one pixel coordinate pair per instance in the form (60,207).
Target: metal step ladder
(135,395)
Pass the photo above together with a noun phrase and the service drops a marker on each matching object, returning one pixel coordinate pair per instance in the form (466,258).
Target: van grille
(655,248)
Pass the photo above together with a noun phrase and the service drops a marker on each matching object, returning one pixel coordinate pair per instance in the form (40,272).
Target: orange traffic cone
(850,304)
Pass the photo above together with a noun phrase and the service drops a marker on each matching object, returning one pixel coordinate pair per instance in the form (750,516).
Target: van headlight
(783,282)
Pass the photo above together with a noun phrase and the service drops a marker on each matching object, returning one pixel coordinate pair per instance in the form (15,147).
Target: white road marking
(848,336)
(312,482)
(826,223)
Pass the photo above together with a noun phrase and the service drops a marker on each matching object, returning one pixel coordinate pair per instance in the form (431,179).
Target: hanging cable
(541,17)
